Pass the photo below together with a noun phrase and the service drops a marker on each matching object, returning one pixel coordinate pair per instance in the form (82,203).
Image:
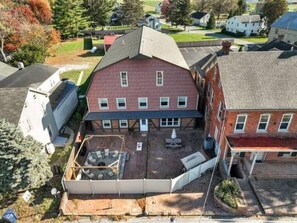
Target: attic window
(34,96)
(124,78)
(159,78)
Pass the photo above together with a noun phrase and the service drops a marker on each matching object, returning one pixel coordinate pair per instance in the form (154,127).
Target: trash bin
(208,143)
(9,216)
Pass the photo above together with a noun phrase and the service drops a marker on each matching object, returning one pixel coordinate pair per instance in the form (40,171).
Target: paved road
(190,220)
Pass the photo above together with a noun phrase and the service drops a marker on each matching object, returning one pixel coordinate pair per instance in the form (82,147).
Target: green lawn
(255,39)
(170,29)
(252,7)
(70,46)
(191,37)
(292,7)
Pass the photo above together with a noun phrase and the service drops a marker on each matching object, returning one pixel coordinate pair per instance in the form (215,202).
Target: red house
(251,109)
(142,83)
(108,41)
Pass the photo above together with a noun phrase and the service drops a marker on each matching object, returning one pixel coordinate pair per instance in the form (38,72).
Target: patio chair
(98,154)
(116,154)
(92,159)
(106,152)
(100,176)
(110,173)
(91,175)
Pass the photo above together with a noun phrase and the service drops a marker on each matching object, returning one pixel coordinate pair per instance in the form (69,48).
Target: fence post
(92,186)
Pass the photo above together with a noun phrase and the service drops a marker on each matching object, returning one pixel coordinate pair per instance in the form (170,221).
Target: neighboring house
(150,21)
(37,101)
(108,41)
(200,18)
(158,7)
(274,45)
(285,28)
(246,25)
(142,83)
(250,110)
(6,70)
(116,16)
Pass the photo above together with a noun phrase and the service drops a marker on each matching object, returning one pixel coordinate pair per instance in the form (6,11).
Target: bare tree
(202,5)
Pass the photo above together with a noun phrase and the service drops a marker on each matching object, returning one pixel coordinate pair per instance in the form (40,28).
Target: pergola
(257,145)
(114,167)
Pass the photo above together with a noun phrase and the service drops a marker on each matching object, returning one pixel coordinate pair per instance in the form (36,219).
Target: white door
(260,156)
(143,123)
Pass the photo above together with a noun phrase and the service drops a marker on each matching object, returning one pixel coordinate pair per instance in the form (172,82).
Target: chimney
(20,65)
(226,47)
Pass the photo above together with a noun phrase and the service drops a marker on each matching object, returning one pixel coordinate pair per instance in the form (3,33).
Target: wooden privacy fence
(137,186)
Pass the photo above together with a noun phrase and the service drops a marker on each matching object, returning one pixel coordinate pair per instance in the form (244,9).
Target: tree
(69,17)
(22,165)
(202,5)
(179,12)
(164,7)
(211,24)
(132,11)
(29,54)
(41,10)
(241,7)
(273,9)
(99,11)
(223,6)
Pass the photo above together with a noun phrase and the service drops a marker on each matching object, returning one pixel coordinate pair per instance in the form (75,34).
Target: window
(220,110)
(164,102)
(106,124)
(202,84)
(263,123)
(169,122)
(182,102)
(123,124)
(28,125)
(159,78)
(287,154)
(240,123)
(124,79)
(208,90)
(245,25)
(253,24)
(285,123)
(103,103)
(142,103)
(121,103)
(276,31)
(211,97)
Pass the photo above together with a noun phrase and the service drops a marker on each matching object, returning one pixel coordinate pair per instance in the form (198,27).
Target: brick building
(142,83)
(250,109)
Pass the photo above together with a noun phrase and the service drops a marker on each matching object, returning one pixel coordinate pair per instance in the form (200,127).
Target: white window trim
(220,109)
(186,102)
(285,130)
(120,123)
(161,125)
(121,108)
(263,130)
(106,121)
(123,85)
(103,108)
(244,124)
(211,97)
(161,106)
(141,107)
(159,85)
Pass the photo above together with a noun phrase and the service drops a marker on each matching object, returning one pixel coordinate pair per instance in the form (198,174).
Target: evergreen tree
(69,17)
(132,11)
(241,7)
(273,9)
(178,12)
(231,14)
(211,24)
(99,11)
(22,165)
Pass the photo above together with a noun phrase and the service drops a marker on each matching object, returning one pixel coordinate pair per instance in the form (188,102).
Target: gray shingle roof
(143,43)
(31,76)
(6,70)
(12,103)
(248,18)
(259,80)
(287,21)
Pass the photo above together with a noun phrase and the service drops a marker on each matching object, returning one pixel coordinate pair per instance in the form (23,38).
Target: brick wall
(142,83)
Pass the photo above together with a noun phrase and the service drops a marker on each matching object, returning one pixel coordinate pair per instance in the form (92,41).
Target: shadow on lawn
(98,53)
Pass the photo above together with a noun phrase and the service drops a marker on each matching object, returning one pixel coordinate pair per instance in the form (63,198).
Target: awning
(262,144)
(90,116)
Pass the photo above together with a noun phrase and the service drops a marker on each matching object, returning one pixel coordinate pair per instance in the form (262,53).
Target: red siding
(142,83)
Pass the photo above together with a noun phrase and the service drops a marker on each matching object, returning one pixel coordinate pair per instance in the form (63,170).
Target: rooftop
(259,80)
(248,18)
(143,43)
(6,70)
(198,15)
(287,21)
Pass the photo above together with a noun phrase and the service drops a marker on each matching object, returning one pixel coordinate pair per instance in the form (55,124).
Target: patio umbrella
(173,134)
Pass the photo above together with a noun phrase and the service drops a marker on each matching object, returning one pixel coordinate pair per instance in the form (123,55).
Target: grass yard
(191,37)
(292,7)
(255,39)
(252,7)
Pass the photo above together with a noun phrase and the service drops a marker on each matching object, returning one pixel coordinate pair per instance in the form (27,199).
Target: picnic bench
(173,143)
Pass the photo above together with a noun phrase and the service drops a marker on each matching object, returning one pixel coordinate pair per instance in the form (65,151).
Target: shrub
(229,193)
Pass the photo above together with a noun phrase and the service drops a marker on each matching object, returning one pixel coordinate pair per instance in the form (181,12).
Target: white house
(246,24)
(158,7)
(200,18)
(150,21)
(285,28)
(37,101)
